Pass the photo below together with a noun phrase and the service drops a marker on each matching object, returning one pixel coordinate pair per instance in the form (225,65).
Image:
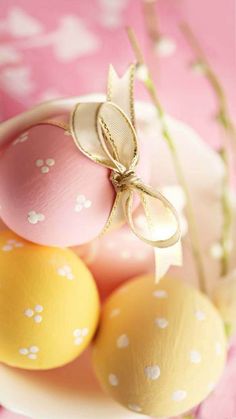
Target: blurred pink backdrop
(63,48)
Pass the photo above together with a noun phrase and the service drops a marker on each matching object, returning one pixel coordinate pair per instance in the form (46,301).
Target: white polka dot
(160,294)
(18,244)
(34,349)
(32,356)
(23,351)
(218,348)
(200,315)
(44,169)
(50,162)
(113,380)
(152,372)
(87,203)
(84,331)
(115,312)
(161,322)
(28,312)
(134,407)
(7,247)
(38,318)
(78,341)
(38,308)
(122,341)
(179,395)
(78,207)
(80,199)
(77,332)
(39,162)
(195,357)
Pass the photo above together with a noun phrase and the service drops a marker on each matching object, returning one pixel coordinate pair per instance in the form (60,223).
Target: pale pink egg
(50,193)
(115,258)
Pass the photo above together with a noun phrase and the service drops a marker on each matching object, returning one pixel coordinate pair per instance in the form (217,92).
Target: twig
(151,89)
(224,120)
(151,20)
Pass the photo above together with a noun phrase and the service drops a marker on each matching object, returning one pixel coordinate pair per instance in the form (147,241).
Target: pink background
(36,66)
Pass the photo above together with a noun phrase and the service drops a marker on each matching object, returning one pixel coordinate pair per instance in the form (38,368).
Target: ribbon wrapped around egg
(105,134)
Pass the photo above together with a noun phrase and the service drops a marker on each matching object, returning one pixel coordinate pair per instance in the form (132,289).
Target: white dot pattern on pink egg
(44,165)
(82,203)
(35,217)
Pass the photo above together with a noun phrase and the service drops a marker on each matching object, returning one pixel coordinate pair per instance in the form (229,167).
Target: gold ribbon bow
(105,133)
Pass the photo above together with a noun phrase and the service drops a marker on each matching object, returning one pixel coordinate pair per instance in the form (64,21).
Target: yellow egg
(160,348)
(49,305)
(224,297)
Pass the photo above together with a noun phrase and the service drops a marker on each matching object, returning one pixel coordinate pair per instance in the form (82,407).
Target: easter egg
(47,191)
(49,304)
(120,249)
(160,348)
(224,297)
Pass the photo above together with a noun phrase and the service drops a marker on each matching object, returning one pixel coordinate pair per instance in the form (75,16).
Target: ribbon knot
(124,181)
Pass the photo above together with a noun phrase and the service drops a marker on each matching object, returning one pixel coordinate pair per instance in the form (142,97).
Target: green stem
(225,121)
(227,215)
(195,242)
(193,232)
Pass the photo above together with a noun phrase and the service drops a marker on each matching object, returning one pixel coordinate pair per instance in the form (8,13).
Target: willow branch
(225,122)
(151,89)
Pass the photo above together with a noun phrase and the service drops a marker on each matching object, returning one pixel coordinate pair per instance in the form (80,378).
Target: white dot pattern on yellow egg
(115,312)
(200,315)
(66,271)
(79,335)
(179,395)
(161,322)
(113,380)
(152,372)
(122,341)
(166,342)
(160,294)
(31,352)
(11,245)
(195,357)
(29,312)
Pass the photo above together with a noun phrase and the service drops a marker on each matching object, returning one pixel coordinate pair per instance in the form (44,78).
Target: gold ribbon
(105,133)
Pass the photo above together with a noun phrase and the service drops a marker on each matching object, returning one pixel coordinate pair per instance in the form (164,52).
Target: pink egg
(115,258)
(50,193)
